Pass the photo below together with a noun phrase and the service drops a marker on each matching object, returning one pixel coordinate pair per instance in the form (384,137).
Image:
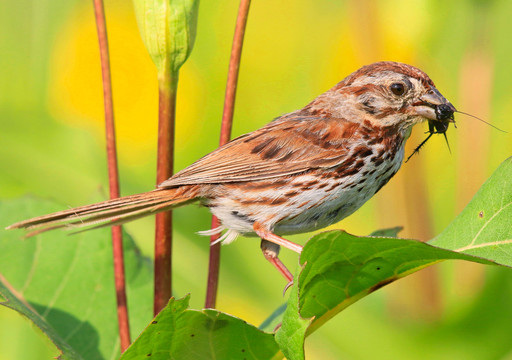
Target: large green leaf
(339,269)
(484,227)
(9,297)
(181,334)
(65,285)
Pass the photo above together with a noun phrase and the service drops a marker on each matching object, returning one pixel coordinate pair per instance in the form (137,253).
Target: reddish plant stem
(213,268)
(225,134)
(113,175)
(165,162)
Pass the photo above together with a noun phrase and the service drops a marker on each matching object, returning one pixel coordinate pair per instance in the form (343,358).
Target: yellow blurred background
(51,118)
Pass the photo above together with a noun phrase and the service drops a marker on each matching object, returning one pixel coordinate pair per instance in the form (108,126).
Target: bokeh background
(52,145)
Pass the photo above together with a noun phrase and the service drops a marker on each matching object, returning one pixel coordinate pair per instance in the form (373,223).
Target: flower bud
(168,29)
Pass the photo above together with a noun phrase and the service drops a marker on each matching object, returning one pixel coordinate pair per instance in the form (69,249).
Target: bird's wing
(286,146)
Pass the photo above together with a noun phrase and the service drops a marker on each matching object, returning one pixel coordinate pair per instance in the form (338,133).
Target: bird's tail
(110,212)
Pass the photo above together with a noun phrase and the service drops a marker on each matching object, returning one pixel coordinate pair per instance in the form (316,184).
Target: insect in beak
(439,113)
(435,127)
(444,112)
(443,117)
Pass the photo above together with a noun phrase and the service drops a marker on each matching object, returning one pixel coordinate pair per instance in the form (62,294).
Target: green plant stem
(225,134)
(167,86)
(113,175)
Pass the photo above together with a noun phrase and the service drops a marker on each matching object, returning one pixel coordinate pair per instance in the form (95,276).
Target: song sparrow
(303,171)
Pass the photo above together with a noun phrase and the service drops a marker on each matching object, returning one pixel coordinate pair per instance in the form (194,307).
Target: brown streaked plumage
(303,171)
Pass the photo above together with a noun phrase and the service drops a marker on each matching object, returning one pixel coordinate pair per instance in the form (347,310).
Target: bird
(301,172)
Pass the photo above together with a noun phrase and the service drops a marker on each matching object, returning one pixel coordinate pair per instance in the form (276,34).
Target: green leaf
(338,268)
(65,285)
(168,29)
(180,333)
(484,227)
(11,299)
(276,318)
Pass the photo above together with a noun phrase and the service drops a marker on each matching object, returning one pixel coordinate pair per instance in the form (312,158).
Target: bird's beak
(434,106)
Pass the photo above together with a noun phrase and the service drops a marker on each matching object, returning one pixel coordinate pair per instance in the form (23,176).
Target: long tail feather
(110,212)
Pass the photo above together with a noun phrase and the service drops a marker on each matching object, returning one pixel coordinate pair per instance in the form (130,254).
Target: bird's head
(388,93)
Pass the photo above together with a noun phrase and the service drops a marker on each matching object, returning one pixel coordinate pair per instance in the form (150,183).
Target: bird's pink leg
(265,234)
(271,252)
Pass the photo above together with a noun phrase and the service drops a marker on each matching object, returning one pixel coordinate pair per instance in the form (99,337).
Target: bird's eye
(397,88)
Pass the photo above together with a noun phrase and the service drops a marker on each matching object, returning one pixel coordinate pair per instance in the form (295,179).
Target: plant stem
(113,176)
(167,86)
(225,134)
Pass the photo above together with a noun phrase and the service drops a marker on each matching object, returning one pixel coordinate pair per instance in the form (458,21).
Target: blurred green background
(52,145)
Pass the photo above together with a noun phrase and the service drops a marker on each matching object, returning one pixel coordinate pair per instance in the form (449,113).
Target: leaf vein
(63,282)
(31,272)
(492,243)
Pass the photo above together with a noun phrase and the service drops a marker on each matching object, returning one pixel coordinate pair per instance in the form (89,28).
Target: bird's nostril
(444,112)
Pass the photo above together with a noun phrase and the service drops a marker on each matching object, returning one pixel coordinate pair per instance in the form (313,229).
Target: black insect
(444,115)
(434,127)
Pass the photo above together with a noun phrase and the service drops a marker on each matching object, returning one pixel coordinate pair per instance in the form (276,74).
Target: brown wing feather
(289,145)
